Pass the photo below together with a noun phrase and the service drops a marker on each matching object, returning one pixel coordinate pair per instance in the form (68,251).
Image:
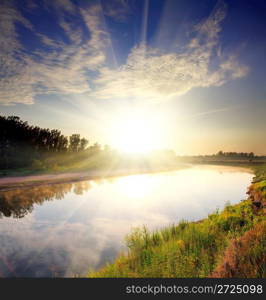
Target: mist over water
(67,229)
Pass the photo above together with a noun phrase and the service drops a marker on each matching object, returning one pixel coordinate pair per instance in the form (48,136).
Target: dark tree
(83,144)
(21,144)
(74,142)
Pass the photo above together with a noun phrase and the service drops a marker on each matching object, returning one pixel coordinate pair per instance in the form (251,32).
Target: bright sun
(137,133)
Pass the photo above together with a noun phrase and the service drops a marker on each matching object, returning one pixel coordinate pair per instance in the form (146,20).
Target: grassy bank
(230,243)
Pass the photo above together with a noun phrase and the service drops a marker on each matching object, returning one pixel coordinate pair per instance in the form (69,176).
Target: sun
(137,133)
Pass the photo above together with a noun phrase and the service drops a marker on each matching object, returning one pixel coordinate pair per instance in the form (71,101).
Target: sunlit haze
(137,132)
(132,140)
(138,75)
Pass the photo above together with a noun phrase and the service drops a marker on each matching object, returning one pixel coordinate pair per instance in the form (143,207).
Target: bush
(37,165)
(245,256)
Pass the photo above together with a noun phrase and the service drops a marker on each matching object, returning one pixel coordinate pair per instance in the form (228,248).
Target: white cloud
(154,75)
(118,9)
(14,75)
(63,69)
(64,66)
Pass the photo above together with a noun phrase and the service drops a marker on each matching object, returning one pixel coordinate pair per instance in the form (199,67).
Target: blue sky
(198,65)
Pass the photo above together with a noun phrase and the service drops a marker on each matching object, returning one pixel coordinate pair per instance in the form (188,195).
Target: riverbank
(13,182)
(22,179)
(230,243)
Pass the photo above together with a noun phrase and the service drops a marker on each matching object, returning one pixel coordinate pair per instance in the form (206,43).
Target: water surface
(66,229)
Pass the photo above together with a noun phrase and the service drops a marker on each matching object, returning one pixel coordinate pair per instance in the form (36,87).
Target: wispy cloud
(77,64)
(13,69)
(151,74)
(118,9)
(61,67)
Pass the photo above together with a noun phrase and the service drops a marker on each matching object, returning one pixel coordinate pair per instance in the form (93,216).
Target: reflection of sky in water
(86,228)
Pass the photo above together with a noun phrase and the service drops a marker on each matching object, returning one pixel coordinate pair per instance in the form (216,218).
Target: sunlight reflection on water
(66,229)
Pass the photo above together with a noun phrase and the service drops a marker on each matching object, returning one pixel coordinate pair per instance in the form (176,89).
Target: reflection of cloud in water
(39,249)
(87,228)
(67,250)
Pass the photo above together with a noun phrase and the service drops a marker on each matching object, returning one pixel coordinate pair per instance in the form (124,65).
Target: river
(64,230)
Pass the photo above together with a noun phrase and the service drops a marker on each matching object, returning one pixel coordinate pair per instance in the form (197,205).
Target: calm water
(66,229)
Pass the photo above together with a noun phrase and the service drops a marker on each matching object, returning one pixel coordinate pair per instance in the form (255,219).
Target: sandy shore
(7,183)
(12,182)
(43,177)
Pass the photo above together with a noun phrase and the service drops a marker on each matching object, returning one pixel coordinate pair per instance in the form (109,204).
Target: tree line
(15,132)
(21,142)
(236,154)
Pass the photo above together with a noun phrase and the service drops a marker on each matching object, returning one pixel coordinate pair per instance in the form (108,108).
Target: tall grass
(183,250)
(230,243)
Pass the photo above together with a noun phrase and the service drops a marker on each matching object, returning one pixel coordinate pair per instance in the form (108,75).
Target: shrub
(37,165)
(245,256)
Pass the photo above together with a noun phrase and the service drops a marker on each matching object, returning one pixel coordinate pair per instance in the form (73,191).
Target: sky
(188,74)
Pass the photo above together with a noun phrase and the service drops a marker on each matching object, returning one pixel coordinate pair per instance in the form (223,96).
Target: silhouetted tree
(20,143)
(74,142)
(83,144)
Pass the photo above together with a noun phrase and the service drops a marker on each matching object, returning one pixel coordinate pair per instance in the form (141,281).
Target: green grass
(197,249)
(259,181)
(60,163)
